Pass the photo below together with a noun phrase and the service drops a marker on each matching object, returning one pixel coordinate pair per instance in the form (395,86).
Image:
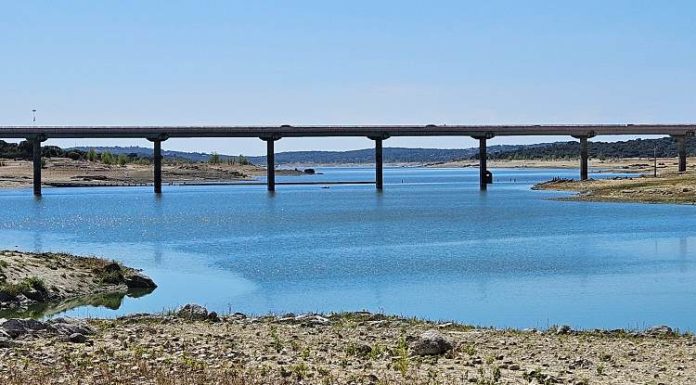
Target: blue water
(430,246)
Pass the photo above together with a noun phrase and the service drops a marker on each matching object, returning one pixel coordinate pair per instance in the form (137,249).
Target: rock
(213,316)
(192,311)
(6,342)
(430,343)
(5,297)
(16,327)
(77,338)
(67,326)
(139,281)
(312,319)
(659,330)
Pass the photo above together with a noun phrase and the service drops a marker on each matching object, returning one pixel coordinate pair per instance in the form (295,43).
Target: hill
(663,147)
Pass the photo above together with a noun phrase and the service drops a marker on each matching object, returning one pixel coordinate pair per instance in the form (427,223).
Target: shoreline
(359,347)
(664,189)
(43,284)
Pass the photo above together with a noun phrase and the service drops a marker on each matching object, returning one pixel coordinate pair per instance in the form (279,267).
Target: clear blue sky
(352,62)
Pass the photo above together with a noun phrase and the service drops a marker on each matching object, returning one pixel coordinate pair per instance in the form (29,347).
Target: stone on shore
(430,343)
(16,327)
(77,338)
(659,330)
(196,312)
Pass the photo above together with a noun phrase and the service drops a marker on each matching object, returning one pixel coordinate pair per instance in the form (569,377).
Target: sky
(134,62)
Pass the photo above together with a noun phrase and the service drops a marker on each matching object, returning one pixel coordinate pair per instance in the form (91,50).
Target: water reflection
(112,301)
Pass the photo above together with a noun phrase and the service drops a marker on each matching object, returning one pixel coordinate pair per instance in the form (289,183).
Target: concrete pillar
(379,178)
(483,183)
(583,158)
(36,153)
(157,162)
(270,162)
(681,150)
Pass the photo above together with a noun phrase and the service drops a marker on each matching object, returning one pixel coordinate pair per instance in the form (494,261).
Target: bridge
(377,133)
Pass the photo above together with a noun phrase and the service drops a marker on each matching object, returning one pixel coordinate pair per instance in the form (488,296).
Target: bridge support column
(584,175)
(157,162)
(681,151)
(270,161)
(483,157)
(36,157)
(379,161)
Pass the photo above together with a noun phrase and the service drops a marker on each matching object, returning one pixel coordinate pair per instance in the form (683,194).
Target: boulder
(16,327)
(77,338)
(68,326)
(430,343)
(659,330)
(139,281)
(192,311)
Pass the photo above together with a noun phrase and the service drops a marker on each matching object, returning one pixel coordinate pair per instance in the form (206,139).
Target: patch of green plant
(23,287)
(111,277)
(276,343)
(402,360)
(300,370)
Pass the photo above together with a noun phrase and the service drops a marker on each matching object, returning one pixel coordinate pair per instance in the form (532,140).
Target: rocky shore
(669,188)
(193,346)
(33,283)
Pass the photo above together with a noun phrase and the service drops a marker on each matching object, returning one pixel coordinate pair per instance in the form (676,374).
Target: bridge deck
(319,131)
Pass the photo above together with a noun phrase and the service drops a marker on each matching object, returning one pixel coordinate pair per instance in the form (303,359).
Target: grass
(25,286)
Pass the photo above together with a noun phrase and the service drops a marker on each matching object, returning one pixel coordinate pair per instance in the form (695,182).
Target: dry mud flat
(194,347)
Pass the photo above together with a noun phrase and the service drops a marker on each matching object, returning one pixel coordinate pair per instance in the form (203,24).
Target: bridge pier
(483,157)
(270,161)
(584,157)
(379,161)
(681,151)
(157,162)
(36,157)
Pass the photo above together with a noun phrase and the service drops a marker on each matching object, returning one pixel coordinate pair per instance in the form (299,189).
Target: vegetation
(26,286)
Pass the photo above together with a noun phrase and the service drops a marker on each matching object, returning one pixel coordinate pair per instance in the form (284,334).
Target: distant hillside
(665,147)
(367,155)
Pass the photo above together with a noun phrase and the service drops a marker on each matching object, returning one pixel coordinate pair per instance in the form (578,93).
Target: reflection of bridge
(158,134)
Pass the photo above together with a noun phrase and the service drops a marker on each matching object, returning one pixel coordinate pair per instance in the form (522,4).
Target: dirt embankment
(63,172)
(670,188)
(36,284)
(194,347)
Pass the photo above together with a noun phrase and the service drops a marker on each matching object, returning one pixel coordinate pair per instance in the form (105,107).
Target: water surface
(430,246)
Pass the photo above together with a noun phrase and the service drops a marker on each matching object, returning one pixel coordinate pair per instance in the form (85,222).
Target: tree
(214,158)
(107,158)
(122,160)
(92,155)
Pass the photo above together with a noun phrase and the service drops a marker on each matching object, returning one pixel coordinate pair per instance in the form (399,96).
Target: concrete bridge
(378,133)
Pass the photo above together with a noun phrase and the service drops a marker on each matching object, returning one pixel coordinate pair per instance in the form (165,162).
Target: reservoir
(430,246)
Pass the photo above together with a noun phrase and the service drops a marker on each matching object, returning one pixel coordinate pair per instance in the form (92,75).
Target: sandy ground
(669,188)
(341,349)
(637,165)
(67,172)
